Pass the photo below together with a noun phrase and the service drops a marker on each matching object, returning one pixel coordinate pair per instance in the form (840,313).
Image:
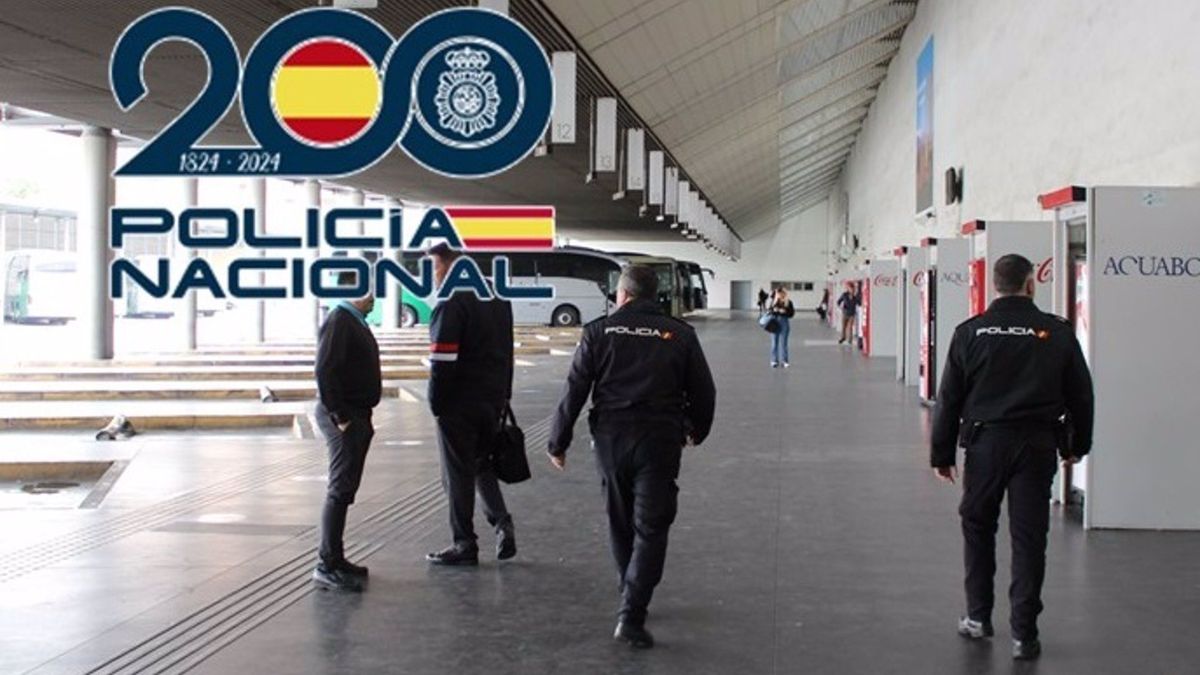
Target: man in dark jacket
(1012,374)
(651,393)
(471,361)
(348,384)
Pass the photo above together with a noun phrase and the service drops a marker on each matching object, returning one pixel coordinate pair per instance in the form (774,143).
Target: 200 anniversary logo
(325,92)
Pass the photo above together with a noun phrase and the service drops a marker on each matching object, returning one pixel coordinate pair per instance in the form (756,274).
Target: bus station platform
(811,537)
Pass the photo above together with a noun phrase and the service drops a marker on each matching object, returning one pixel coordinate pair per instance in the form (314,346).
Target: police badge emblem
(480,86)
(467,99)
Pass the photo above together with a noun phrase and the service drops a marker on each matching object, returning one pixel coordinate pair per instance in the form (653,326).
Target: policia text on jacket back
(652,393)
(1012,374)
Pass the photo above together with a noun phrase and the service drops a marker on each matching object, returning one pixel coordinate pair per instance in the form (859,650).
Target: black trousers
(465,437)
(638,465)
(347,459)
(1021,462)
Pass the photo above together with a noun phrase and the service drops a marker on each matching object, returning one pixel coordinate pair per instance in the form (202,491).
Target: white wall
(1030,96)
(793,251)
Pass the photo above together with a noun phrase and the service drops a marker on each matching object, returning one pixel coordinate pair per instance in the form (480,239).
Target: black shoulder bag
(508,456)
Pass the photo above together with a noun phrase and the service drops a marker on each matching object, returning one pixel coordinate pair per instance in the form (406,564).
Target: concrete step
(215,360)
(530,349)
(197,373)
(160,390)
(150,415)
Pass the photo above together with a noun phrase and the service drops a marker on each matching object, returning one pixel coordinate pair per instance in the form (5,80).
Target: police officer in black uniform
(652,393)
(470,383)
(348,386)
(1015,389)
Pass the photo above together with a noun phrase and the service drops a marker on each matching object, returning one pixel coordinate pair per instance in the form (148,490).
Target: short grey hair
(639,282)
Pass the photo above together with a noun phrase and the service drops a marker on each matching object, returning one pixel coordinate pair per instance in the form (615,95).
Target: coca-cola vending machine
(990,240)
(944,306)
(1120,252)
(915,264)
(901,254)
(880,299)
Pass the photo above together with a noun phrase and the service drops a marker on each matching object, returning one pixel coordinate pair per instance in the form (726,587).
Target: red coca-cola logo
(1045,271)
(888,280)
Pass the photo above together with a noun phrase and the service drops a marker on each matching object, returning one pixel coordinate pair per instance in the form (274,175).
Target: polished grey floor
(811,539)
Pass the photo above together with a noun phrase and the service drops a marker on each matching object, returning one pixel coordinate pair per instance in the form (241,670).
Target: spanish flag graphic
(503,228)
(326,92)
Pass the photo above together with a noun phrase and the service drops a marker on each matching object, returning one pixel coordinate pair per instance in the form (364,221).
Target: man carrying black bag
(470,384)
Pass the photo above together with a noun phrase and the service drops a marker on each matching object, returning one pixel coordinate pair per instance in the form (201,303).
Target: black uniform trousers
(466,434)
(1021,461)
(347,459)
(638,464)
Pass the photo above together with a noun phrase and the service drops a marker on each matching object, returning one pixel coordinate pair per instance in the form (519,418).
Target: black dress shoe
(454,556)
(1026,650)
(333,579)
(352,569)
(634,635)
(506,545)
(975,630)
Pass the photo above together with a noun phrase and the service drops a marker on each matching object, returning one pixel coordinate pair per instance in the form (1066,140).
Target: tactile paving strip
(187,643)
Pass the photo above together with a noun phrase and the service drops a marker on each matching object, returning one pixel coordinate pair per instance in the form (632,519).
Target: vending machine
(1127,276)
(990,240)
(879,307)
(901,254)
(915,263)
(943,307)
(832,287)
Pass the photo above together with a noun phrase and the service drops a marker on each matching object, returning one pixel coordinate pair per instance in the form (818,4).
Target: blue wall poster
(925,128)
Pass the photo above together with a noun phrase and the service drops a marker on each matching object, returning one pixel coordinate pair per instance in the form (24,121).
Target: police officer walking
(1014,389)
(471,356)
(348,386)
(652,393)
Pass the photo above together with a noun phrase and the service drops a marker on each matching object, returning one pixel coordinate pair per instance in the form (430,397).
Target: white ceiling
(759,100)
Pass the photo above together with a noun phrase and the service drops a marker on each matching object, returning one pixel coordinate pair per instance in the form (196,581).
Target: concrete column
(4,239)
(188,308)
(258,187)
(359,199)
(391,307)
(313,192)
(99,155)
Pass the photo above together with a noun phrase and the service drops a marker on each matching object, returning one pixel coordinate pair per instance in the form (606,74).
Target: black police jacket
(347,367)
(470,352)
(638,365)
(1012,365)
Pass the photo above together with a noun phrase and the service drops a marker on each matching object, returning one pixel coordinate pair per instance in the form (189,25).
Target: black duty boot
(975,630)
(352,569)
(635,635)
(455,556)
(1026,650)
(334,579)
(506,543)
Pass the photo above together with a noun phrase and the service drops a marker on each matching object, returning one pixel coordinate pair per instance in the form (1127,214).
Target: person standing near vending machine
(1015,388)
(848,302)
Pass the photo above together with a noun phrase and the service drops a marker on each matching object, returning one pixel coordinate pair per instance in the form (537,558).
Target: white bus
(584,283)
(674,281)
(40,286)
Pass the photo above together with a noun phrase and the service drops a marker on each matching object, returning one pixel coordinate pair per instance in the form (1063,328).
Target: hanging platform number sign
(466,93)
